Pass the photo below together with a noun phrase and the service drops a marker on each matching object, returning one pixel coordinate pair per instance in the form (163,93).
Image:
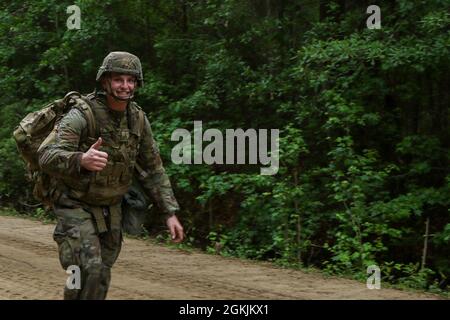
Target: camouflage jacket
(129,148)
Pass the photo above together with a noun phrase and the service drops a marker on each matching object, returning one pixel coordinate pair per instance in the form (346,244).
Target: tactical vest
(121,137)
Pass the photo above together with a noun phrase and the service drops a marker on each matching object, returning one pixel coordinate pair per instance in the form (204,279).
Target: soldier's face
(122,85)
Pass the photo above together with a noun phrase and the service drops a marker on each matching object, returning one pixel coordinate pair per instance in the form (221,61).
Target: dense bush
(363,117)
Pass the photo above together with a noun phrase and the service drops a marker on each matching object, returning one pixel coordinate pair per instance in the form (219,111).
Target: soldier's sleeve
(61,157)
(152,174)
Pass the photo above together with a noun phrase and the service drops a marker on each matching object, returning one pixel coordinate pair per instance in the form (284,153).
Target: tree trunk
(425,243)
(299,221)
(184,18)
(210,214)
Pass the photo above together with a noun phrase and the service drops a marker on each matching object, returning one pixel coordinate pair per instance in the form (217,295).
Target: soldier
(93,173)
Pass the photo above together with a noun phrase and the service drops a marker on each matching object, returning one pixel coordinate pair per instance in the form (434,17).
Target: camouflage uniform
(88,204)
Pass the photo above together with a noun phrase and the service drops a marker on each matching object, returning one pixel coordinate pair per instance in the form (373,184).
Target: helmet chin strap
(111,93)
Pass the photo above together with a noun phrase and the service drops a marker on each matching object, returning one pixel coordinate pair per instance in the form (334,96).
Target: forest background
(363,116)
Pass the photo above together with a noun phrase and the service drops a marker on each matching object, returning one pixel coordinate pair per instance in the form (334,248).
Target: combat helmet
(121,62)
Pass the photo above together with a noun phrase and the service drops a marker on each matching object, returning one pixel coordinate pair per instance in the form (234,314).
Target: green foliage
(44,215)
(363,119)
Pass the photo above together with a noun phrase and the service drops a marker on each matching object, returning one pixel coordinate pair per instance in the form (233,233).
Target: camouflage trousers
(80,244)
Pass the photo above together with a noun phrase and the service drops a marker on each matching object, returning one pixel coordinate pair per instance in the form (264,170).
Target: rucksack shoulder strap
(141,121)
(70,95)
(141,118)
(84,105)
(136,119)
(141,125)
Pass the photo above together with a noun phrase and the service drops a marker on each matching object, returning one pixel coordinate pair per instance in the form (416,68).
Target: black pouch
(134,210)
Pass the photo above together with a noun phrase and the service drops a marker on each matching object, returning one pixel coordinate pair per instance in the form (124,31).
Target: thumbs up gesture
(94,159)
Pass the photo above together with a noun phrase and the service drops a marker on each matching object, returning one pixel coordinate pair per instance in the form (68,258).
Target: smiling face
(121,86)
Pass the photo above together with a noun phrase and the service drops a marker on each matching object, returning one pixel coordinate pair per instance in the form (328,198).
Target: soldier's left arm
(152,174)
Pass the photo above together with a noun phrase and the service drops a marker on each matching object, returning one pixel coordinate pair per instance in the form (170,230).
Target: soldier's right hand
(94,159)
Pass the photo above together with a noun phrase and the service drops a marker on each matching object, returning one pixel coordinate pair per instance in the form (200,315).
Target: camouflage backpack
(39,127)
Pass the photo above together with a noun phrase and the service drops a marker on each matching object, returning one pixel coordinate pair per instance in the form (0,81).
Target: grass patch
(39,214)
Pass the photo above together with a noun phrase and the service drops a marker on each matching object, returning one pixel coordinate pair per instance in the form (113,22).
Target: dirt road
(29,269)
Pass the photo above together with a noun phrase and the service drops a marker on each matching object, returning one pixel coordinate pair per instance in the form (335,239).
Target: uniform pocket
(67,236)
(101,177)
(64,230)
